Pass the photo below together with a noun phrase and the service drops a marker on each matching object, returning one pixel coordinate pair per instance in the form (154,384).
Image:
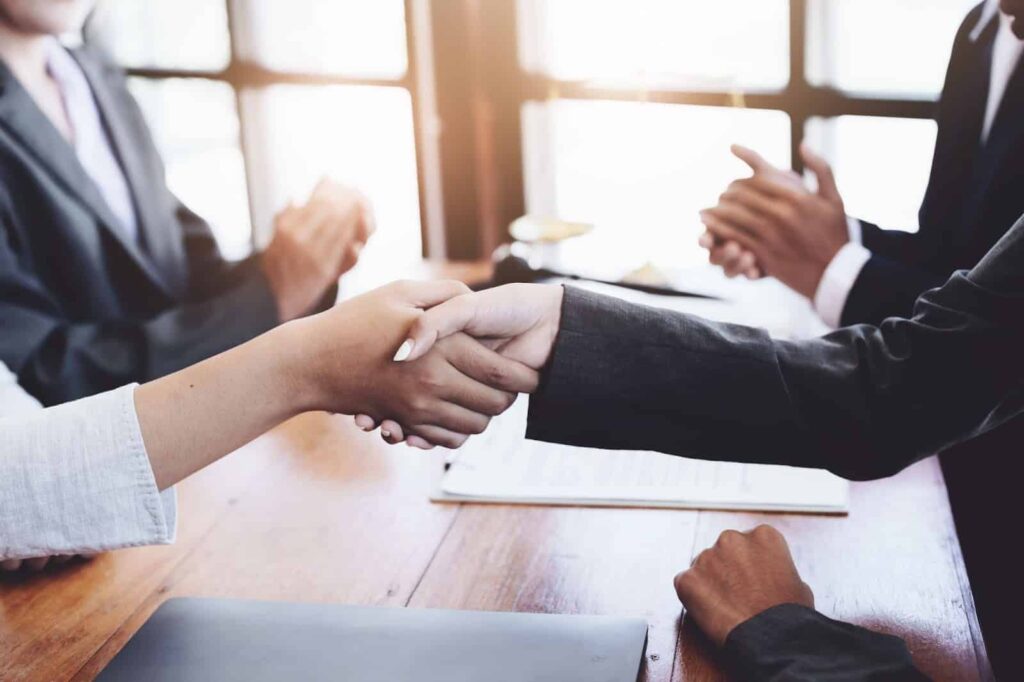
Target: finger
(37,564)
(744,193)
(757,163)
(754,273)
(431,436)
(368,225)
(777,188)
(417,442)
(10,565)
(392,431)
(747,261)
(732,256)
(706,240)
(323,186)
(722,224)
(454,418)
(365,422)
(727,233)
(350,257)
(490,368)
(823,171)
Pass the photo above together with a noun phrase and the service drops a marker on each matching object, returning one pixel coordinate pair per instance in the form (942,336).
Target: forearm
(863,402)
(193,417)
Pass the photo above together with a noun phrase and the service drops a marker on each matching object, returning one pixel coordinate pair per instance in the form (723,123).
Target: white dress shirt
(76,479)
(89,138)
(842,272)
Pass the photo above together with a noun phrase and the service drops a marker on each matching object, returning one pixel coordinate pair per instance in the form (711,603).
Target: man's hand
(520,321)
(314,245)
(742,575)
(448,391)
(789,232)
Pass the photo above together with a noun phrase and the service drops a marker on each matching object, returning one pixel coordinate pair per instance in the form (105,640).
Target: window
(839,56)
(632,106)
(461,115)
(881,164)
(305,88)
(640,172)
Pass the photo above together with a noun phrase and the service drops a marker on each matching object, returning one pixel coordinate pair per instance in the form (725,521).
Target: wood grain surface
(318,511)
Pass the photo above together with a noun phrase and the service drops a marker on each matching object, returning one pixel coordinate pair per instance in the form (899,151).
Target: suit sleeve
(891,281)
(792,643)
(863,402)
(58,358)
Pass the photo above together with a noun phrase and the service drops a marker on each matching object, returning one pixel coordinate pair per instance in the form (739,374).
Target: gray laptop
(216,639)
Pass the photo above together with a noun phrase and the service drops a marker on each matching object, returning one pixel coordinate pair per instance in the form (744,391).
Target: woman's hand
(441,396)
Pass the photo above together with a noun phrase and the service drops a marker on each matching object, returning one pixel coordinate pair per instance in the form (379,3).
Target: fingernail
(404,351)
(385,434)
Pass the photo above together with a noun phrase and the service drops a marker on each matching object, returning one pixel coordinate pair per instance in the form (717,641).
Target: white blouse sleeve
(76,479)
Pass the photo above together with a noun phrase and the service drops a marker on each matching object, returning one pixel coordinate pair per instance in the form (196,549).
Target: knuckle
(684,582)
(418,408)
(496,375)
(402,287)
(729,538)
(767,533)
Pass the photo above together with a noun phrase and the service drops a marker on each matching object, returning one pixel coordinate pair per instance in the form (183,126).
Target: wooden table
(317,511)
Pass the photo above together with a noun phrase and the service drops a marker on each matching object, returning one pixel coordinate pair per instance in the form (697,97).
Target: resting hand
(441,396)
(520,321)
(791,233)
(742,575)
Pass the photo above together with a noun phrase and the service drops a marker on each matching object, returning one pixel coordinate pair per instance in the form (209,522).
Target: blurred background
(457,116)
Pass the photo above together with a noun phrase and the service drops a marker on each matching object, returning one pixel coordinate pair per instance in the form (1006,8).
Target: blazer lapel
(162,242)
(1007,129)
(23,119)
(1007,125)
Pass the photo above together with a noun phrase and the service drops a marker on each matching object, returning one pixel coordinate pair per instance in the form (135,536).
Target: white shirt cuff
(76,479)
(855,230)
(838,280)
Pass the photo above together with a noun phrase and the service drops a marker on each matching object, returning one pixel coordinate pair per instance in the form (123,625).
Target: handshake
(429,362)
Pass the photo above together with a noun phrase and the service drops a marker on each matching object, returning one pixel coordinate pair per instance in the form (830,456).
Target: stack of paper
(501,466)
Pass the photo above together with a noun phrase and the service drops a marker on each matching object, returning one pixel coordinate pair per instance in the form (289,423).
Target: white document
(501,466)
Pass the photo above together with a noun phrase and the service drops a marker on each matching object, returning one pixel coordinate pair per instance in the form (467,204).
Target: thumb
(440,321)
(433,292)
(748,156)
(823,171)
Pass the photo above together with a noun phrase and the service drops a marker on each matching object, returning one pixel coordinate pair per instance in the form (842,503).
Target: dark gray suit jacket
(82,309)
(864,402)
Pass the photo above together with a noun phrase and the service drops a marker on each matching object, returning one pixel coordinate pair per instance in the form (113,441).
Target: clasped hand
(431,360)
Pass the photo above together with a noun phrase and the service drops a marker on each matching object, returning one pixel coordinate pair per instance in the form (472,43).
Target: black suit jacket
(83,309)
(974,192)
(863,402)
